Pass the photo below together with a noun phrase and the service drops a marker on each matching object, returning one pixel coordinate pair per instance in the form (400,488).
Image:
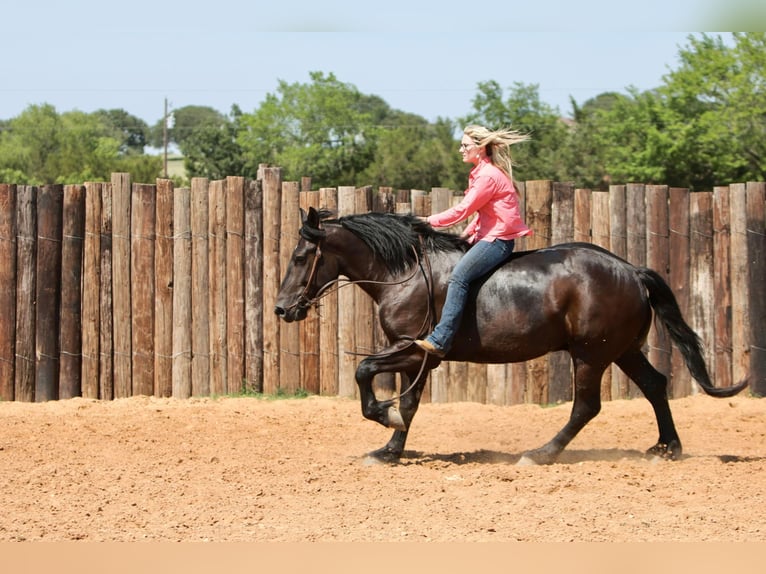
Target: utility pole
(165,138)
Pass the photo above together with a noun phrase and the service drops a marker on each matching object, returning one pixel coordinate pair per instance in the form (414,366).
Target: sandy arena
(249,469)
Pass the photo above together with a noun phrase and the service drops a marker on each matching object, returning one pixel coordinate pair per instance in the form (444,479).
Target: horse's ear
(311,219)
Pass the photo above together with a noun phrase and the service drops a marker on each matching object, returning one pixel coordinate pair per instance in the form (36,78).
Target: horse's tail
(688,342)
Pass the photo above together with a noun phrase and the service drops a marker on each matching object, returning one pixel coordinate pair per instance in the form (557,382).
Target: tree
(41,146)
(543,156)
(212,150)
(132,132)
(184,122)
(324,129)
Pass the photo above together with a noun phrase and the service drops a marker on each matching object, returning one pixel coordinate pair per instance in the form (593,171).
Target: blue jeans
(480,259)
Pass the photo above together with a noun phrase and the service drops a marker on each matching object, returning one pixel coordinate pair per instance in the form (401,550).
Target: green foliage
(543,156)
(324,129)
(41,146)
(213,152)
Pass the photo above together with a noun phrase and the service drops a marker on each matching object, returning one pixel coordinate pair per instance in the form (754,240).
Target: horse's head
(307,273)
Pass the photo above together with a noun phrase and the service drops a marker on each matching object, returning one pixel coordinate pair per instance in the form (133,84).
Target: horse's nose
(280,311)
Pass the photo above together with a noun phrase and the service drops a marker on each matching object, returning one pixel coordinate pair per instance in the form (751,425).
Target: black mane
(392,237)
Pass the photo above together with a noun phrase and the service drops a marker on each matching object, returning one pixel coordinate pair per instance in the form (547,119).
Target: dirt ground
(250,469)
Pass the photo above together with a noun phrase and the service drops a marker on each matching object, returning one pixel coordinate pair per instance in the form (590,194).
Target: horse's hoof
(537,457)
(381,456)
(395,420)
(664,451)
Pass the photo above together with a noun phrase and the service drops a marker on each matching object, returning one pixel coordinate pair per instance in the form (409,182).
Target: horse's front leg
(380,411)
(408,406)
(414,374)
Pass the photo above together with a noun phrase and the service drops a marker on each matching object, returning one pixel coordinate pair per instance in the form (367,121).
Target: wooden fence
(114,289)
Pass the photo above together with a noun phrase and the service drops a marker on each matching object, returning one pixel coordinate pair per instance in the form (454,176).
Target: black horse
(575,297)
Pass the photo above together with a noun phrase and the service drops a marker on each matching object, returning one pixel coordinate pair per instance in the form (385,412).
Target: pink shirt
(492,196)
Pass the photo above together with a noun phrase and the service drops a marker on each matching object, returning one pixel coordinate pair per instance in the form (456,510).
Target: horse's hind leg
(587,404)
(654,386)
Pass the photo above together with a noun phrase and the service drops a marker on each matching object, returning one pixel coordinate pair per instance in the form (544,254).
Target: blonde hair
(498,144)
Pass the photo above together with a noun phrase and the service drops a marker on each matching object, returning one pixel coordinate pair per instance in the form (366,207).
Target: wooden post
(635,209)
(48,301)
(91,291)
(600,221)
(539,212)
(680,254)
(363,304)
(441,199)
(701,272)
(142,256)
(217,279)
(235,283)
(309,327)
(756,248)
(562,231)
(272,207)
(106,298)
(658,258)
(346,325)
(7,291)
(254,286)
(181,378)
(329,361)
(740,280)
(582,215)
(516,388)
(163,290)
(722,287)
(200,287)
(121,305)
(72,243)
(289,333)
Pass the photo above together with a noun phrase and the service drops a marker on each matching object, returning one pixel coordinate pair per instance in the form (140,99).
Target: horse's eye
(300,258)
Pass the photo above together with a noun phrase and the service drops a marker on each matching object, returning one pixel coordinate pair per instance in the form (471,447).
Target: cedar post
(70,374)
(328,327)
(658,258)
(740,279)
(106,298)
(600,221)
(701,272)
(48,299)
(680,256)
(562,231)
(121,304)
(756,247)
(289,333)
(539,213)
(254,286)
(91,291)
(272,204)
(200,287)
(722,287)
(235,283)
(7,291)
(182,294)
(441,199)
(142,256)
(346,325)
(163,290)
(309,327)
(217,279)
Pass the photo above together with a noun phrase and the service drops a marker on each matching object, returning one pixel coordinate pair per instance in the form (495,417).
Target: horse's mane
(395,238)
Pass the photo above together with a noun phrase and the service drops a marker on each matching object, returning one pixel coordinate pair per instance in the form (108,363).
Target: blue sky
(423,57)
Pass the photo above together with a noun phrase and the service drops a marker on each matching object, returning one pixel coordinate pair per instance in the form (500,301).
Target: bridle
(303,300)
